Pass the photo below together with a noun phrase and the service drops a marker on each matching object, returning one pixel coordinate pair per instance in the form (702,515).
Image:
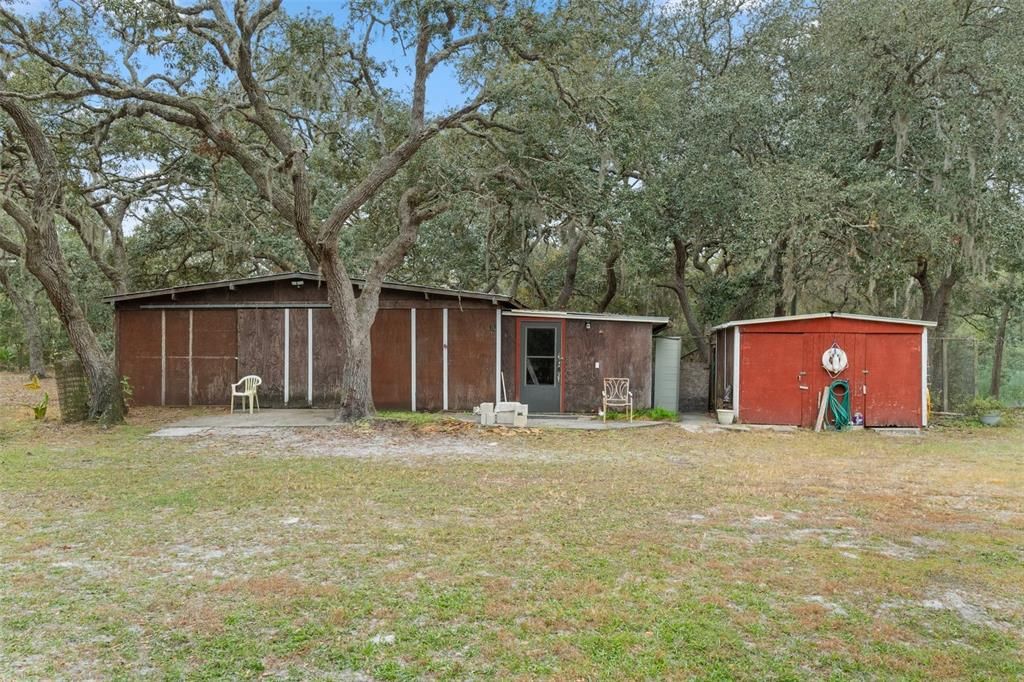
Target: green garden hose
(839,404)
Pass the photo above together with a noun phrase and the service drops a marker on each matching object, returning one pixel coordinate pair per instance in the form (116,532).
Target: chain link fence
(960,369)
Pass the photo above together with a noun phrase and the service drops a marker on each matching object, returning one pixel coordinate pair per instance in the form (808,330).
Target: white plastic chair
(248,386)
(616,393)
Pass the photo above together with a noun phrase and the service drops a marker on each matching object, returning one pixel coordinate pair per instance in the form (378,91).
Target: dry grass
(642,554)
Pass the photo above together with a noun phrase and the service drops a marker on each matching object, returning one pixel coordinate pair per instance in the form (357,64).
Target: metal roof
(817,316)
(609,317)
(306,276)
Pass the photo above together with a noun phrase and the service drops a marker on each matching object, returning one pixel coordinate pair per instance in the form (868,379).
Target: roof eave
(820,316)
(308,276)
(661,322)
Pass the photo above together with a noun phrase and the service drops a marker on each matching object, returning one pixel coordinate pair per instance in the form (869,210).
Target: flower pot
(990,418)
(726,416)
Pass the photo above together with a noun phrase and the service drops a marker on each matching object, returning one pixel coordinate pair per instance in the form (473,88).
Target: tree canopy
(707,160)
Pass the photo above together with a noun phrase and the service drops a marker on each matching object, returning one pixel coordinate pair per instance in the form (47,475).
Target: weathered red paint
(769,381)
(781,374)
(893,380)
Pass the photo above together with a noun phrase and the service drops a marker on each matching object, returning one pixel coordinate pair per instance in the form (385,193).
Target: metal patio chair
(246,390)
(616,393)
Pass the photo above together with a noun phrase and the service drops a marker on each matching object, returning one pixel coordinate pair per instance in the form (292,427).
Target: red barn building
(771,371)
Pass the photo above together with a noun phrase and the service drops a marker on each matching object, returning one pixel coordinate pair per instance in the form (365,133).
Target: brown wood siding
(429,360)
(328,359)
(391,344)
(214,351)
(139,352)
(298,368)
(508,357)
(624,349)
(229,343)
(261,351)
(177,357)
(470,357)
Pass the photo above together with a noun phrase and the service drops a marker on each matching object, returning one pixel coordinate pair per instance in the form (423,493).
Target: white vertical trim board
(190,356)
(444,359)
(287,353)
(497,355)
(736,372)
(924,376)
(412,357)
(163,357)
(309,356)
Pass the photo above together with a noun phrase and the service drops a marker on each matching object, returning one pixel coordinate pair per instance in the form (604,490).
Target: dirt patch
(388,442)
(17,399)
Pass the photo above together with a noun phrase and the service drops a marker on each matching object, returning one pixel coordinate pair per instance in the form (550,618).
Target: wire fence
(960,369)
(72,390)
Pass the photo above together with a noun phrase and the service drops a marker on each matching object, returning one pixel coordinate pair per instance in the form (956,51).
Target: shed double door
(818,380)
(782,379)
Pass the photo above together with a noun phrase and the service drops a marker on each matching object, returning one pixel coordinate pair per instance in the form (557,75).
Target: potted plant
(989,411)
(725,415)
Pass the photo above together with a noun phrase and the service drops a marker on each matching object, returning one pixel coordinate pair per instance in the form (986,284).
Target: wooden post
(819,424)
(945,375)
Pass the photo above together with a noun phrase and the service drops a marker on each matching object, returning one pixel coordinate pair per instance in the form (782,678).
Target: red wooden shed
(771,370)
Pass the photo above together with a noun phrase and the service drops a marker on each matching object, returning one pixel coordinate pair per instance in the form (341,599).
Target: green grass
(411,418)
(654,414)
(626,554)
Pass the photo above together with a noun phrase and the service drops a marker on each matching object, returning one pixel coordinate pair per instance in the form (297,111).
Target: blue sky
(443,89)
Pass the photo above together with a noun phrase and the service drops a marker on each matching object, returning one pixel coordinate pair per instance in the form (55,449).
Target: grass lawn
(412,550)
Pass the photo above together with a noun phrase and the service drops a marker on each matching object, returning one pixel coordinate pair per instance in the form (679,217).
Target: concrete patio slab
(292,418)
(262,419)
(584,422)
(178,431)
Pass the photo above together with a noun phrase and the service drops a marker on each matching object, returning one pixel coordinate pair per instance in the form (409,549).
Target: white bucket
(726,416)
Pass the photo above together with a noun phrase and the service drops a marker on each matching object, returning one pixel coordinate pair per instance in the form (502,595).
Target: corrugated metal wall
(667,350)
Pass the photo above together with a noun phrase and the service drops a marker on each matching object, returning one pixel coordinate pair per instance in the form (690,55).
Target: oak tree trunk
(996,383)
(356,398)
(572,265)
(682,293)
(611,278)
(935,307)
(44,260)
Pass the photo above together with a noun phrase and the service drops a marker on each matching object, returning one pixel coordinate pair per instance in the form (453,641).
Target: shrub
(980,406)
(654,414)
